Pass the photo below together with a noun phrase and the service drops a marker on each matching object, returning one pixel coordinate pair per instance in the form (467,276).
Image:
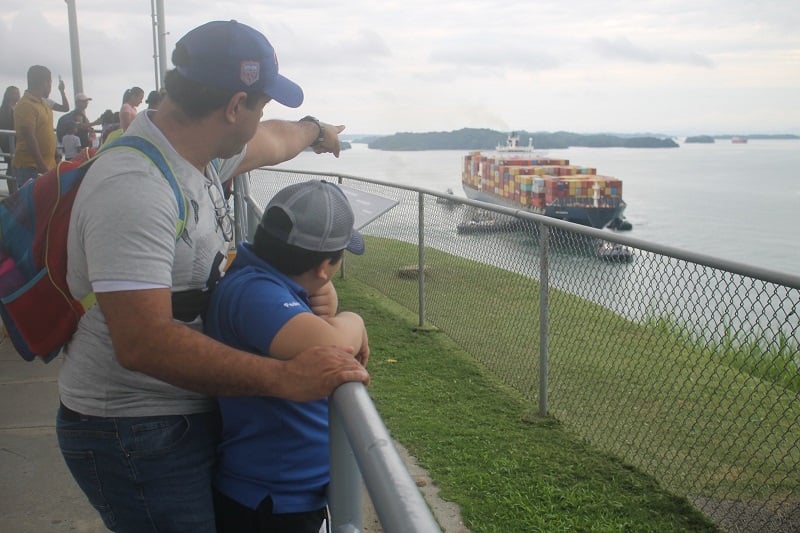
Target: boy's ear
(322,269)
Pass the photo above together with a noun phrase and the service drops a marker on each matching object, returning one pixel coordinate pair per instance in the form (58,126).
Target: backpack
(36,306)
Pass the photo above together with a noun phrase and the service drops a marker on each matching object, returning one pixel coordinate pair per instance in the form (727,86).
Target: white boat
(609,251)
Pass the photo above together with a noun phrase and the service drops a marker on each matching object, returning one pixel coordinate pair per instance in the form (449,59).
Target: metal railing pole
(421,260)
(343,268)
(344,491)
(397,500)
(544,314)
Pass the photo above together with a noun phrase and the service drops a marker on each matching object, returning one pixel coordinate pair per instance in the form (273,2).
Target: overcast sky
(382,66)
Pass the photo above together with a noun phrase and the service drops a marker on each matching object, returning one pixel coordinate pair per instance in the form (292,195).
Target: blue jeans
(23,174)
(148,474)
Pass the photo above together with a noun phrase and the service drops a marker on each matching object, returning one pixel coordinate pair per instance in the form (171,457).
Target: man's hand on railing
(316,372)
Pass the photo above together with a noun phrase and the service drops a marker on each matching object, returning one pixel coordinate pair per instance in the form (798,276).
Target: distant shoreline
(365,137)
(486,139)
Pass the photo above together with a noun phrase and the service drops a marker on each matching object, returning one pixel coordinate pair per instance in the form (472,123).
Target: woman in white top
(132,98)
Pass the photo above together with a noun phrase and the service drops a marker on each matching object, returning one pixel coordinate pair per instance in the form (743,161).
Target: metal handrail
(396,498)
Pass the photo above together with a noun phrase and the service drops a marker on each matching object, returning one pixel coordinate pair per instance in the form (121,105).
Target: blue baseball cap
(233,56)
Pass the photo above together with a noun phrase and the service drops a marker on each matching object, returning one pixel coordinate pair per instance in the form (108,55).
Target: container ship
(517,177)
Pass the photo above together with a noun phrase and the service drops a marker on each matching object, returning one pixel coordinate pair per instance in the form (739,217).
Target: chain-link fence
(684,366)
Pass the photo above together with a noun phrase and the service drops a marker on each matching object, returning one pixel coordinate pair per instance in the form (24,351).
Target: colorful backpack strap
(113,136)
(88,301)
(157,157)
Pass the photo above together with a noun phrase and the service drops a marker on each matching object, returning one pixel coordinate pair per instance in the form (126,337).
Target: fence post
(343,268)
(421,261)
(241,191)
(544,313)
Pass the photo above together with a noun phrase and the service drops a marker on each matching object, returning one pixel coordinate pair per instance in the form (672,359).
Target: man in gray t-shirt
(136,426)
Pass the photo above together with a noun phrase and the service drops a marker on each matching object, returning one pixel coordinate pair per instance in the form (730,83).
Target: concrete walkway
(37,492)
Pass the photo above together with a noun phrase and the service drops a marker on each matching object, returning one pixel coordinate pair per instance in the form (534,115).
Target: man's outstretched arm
(276,141)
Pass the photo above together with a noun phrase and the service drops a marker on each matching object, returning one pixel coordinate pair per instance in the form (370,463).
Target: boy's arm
(325,301)
(307,329)
(147,339)
(342,321)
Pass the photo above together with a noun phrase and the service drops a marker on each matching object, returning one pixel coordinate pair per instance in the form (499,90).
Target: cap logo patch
(249,72)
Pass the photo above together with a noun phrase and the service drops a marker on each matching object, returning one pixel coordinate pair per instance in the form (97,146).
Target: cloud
(621,48)
(46,49)
(362,48)
(417,65)
(514,55)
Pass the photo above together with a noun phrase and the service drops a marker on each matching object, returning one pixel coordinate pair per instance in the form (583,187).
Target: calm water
(735,201)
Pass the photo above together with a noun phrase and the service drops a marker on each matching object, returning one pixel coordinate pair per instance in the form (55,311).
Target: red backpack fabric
(36,306)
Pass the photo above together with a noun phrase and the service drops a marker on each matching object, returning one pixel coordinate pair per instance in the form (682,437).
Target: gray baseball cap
(321,218)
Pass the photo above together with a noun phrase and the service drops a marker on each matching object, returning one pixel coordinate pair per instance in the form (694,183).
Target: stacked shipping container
(536,183)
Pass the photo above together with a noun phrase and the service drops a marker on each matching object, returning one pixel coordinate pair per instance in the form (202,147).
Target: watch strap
(321,135)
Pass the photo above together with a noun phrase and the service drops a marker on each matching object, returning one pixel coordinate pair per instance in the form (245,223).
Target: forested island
(486,139)
(700,139)
(709,139)
(762,136)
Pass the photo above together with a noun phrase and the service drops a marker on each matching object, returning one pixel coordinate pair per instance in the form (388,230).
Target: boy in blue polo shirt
(273,464)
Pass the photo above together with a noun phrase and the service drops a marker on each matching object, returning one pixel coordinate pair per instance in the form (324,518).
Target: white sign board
(366,206)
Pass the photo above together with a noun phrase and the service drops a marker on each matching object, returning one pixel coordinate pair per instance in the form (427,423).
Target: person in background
(153,99)
(35,150)
(10,99)
(273,461)
(109,123)
(130,101)
(138,377)
(63,107)
(70,142)
(78,118)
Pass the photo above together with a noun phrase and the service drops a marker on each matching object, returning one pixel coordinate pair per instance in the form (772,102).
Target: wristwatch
(321,137)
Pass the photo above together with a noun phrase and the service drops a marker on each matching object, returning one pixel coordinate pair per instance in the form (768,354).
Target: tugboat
(519,178)
(620,224)
(476,222)
(609,251)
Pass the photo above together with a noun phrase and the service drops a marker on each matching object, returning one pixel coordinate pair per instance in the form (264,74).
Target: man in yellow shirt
(35,151)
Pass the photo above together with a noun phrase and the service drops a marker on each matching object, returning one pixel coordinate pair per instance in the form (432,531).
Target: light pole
(74,46)
(159,41)
(162,39)
(155,43)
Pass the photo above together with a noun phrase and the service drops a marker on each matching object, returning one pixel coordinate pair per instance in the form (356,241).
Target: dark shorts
(233,517)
